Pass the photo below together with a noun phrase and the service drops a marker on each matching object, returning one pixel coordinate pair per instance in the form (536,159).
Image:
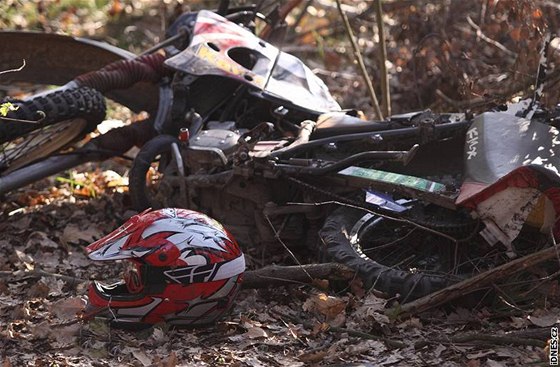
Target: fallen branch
(38,274)
(479,281)
(273,275)
(482,339)
(537,333)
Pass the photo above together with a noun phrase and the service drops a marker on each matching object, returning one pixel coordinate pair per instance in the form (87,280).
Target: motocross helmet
(185,269)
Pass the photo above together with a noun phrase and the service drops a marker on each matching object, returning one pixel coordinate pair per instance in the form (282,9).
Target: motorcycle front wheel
(406,260)
(42,125)
(151,181)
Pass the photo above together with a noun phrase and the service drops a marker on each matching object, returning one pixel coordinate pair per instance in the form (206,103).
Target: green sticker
(394,178)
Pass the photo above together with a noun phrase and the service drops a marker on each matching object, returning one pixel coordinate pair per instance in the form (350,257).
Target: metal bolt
(331,147)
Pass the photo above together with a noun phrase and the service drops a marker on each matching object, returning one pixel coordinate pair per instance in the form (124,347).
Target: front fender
(56,59)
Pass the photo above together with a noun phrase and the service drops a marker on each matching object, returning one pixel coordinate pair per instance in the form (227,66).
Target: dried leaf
(40,239)
(321,303)
(67,308)
(256,332)
(314,356)
(367,346)
(67,334)
(338,321)
(518,322)
(41,330)
(74,234)
(493,363)
(113,179)
(439,349)
(99,327)
(38,290)
(545,318)
(171,360)
(515,34)
(77,259)
(357,287)
(23,223)
(55,285)
(26,259)
(481,354)
(141,356)
(320,283)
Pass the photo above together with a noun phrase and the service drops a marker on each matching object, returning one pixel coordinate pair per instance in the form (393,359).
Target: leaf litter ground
(45,274)
(44,228)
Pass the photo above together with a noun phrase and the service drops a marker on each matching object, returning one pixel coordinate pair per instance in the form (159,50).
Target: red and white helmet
(187,269)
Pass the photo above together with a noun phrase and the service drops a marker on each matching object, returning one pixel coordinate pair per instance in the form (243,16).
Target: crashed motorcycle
(248,135)
(425,199)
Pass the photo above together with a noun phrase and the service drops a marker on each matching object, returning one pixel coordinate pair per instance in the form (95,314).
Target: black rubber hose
(137,187)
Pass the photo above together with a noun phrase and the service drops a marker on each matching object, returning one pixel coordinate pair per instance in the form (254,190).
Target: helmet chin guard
(184,268)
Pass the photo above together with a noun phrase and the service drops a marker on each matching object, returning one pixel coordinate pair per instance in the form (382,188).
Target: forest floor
(44,272)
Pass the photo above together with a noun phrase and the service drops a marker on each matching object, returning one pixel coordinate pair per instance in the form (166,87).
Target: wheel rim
(38,144)
(406,247)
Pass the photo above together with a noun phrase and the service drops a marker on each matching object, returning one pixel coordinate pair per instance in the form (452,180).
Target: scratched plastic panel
(497,143)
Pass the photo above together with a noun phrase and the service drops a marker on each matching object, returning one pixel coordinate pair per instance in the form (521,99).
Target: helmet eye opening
(115,291)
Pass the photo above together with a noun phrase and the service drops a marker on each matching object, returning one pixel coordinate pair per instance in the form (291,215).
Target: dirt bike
(406,218)
(32,138)
(248,135)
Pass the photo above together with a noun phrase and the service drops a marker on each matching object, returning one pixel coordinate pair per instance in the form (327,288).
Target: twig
(360,334)
(396,219)
(277,236)
(268,276)
(38,273)
(359,59)
(39,112)
(388,7)
(483,338)
(553,78)
(13,70)
(386,101)
(275,275)
(548,3)
(479,281)
(489,40)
